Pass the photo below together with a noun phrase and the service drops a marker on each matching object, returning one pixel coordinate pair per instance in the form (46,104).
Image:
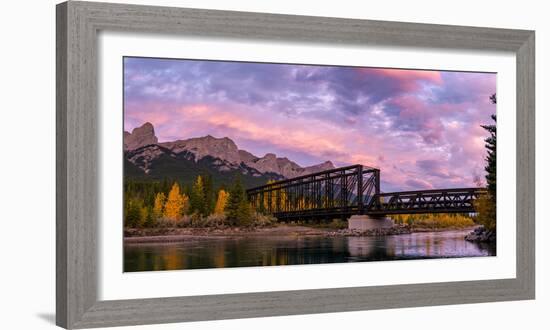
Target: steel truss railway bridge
(353,190)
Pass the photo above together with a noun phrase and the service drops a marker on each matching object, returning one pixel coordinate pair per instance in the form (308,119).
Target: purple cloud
(420,127)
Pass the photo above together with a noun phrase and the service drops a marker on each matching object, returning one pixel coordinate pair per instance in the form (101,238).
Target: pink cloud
(156,113)
(299,135)
(410,80)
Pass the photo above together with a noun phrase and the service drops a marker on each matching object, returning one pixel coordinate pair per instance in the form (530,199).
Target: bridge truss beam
(346,191)
(337,192)
(458,200)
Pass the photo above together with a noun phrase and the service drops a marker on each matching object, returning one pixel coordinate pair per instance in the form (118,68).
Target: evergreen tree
(150,220)
(486,205)
(198,202)
(209,194)
(491,145)
(143,216)
(165,186)
(133,213)
(244,213)
(235,195)
(238,208)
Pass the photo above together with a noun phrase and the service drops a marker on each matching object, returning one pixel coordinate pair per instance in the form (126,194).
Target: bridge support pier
(365,222)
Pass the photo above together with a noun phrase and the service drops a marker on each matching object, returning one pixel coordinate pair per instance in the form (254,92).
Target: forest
(169,203)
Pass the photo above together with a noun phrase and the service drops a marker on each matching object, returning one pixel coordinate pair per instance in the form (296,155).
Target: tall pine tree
(491,146)
(238,208)
(486,205)
(133,213)
(198,201)
(209,194)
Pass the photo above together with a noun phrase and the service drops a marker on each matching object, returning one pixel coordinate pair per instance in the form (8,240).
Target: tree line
(170,203)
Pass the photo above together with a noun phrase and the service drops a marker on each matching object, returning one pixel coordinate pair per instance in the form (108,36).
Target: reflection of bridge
(353,190)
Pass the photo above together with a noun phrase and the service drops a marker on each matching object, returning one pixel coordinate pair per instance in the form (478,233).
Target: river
(216,252)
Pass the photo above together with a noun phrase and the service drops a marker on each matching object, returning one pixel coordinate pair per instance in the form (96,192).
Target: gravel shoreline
(171,235)
(157,235)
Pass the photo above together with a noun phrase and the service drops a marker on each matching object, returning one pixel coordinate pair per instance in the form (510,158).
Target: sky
(420,127)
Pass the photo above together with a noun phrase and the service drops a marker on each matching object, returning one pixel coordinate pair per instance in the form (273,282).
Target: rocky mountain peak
(328,165)
(224,151)
(140,136)
(222,148)
(270,163)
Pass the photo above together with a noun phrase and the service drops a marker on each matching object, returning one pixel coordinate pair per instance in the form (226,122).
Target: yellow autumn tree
(282,200)
(158,207)
(274,200)
(175,204)
(267,197)
(301,203)
(486,212)
(223,196)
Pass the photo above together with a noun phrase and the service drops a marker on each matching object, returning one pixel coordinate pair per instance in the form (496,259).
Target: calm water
(265,251)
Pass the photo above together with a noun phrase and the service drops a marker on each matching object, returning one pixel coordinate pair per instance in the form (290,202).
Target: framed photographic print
(215,165)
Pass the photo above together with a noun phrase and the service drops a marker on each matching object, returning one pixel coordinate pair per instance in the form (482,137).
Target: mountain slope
(220,158)
(183,168)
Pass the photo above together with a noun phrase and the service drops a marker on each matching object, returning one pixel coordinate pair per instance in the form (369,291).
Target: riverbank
(161,235)
(395,230)
(168,235)
(480,234)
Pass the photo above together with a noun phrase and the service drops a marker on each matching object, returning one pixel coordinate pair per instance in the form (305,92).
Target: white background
(27,165)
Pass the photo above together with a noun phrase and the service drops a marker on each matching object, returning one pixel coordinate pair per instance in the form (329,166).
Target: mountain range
(146,158)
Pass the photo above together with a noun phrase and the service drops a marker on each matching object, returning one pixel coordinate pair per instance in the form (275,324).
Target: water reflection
(269,251)
(446,244)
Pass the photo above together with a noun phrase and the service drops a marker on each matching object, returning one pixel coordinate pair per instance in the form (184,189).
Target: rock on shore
(480,234)
(396,230)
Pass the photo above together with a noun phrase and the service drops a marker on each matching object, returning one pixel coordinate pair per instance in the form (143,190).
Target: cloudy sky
(421,128)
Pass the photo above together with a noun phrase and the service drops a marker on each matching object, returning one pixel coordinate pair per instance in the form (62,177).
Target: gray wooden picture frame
(78,24)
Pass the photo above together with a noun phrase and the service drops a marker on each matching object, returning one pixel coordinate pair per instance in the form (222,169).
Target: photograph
(249,164)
